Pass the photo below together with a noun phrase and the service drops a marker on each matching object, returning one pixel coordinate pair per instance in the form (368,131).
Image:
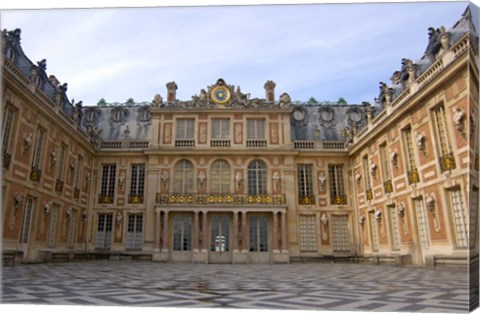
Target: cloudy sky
(324,51)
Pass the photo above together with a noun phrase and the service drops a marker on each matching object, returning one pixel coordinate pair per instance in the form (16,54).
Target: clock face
(220,95)
(298,115)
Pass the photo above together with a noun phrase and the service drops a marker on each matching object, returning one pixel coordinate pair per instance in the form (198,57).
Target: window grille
(395,231)
(220,176)
(305,184)
(308,233)
(27,215)
(7,128)
(134,232)
(258,233)
(104,231)
(182,233)
(460,218)
(422,223)
(137,180)
(337,187)
(183,177)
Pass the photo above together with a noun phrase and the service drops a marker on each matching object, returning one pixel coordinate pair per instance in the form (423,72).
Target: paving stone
(347,287)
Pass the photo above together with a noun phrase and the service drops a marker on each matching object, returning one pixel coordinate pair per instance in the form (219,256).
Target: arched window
(220,177)
(257,177)
(183,177)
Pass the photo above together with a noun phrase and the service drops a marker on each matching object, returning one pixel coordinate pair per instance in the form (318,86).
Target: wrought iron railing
(388,186)
(413,176)
(220,199)
(369,194)
(35,174)
(447,162)
(135,199)
(105,198)
(339,199)
(306,199)
(59,186)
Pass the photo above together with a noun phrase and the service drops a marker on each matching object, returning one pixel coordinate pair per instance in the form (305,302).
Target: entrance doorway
(220,246)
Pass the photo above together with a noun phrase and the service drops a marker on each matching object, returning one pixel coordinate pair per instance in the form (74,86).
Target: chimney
(171,92)
(269,91)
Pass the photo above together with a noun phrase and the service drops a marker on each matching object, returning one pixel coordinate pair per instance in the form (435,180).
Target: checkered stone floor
(322,286)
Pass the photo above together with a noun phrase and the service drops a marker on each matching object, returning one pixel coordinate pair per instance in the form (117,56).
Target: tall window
(366,176)
(337,188)
(134,231)
(422,223)
(183,177)
(71,229)
(78,174)
(395,231)
(373,230)
(473,209)
(27,216)
(308,233)
(447,160)
(185,133)
(412,171)
(60,167)
(305,184)
(137,183)
(7,128)
(386,173)
(220,177)
(104,231)
(182,232)
(256,133)
(340,233)
(258,233)
(52,229)
(460,218)
(107,189)
(255,129)
(257,177)
(38,149)
(220,129)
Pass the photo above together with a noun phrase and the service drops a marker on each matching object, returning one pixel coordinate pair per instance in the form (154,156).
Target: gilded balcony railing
(135,199)
(6,159)
(413,176)
(59,186)
(105,198)
(447,162)
(76,193)
(306,199)
(388,186)
(369,194)
(339,199)
(35,174)
(220,199)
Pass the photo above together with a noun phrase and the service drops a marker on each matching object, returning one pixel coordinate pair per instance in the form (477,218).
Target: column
(284,231)
(244,231)
(275,232)
(235,231)
(157,230)
(195,231)
(165,231)
(204,231)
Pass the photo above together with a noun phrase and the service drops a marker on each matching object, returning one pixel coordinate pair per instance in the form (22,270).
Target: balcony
(413,176)
(219,143)
(339,199)
(135,199)
(105,198)
(306,199)
(369,194)
(184,143)
(447,162)
(6,159)
(59,186)
(256,143)
(220,199)
(76,193)
(319,145)
(388,186)
(35,174)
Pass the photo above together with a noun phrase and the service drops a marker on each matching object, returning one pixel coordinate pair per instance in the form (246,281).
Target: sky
(325,51)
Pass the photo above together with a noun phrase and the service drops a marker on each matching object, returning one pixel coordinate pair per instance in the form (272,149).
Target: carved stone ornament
(373,169)
(394,158)
(68,212)
(285,100)
(118,217)
(361,219)
(17,200)
(401,209)
(430,201)
(121,180)
(459,119)
(238,180)
(157,101)
(27,141)
(378,214)
(358,176)
(276,180)
(421,141)
(324,219)
(322,180)
(47,207)
(53,157)
(84,215)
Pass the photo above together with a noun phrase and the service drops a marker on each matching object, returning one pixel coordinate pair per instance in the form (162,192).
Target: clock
(220,95)
(298,115)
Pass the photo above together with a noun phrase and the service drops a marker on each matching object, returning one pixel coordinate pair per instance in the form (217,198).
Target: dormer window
(90,115)
(39,82)
(118,114)
(144,114)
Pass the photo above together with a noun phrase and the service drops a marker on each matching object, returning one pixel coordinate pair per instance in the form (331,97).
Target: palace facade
(226,178)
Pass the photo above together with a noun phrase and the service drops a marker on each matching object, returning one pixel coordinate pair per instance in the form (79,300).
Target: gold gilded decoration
(413,176)
(340,199)
(220,95)
(35,175)
(388,186)
(212,199)
(369,194)
(447,162)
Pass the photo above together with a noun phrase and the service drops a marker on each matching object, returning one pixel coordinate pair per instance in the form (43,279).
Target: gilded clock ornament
(220,95)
